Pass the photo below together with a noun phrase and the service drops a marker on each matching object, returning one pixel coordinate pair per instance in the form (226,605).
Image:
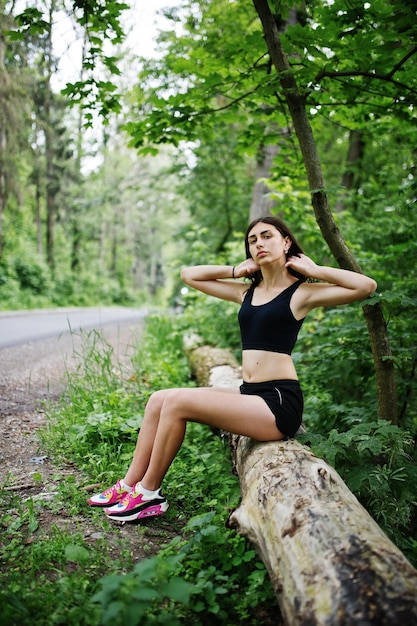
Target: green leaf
(77,553)
(179,590)
(145,593)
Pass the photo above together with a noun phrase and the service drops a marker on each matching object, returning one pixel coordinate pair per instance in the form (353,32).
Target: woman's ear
(287,244)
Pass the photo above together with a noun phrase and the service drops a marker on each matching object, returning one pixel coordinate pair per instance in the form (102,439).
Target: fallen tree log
(330,564)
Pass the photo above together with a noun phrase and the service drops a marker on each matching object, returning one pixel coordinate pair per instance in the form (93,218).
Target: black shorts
(284,398)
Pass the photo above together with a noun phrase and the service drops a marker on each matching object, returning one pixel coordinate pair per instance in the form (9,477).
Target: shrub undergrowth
(206,575)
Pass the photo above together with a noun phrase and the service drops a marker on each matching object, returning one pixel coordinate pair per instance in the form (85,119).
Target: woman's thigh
(223,408)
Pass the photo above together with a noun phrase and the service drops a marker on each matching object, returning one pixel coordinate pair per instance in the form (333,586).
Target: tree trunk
(329,562)
(351,178)
(377,328)
(384,363)
(261,203)
(3,186)
(4,85)
(50,202)
(38,217)
(51,184)
(76,230)
(384,367)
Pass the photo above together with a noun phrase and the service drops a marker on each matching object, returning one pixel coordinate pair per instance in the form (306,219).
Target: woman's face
(266,243)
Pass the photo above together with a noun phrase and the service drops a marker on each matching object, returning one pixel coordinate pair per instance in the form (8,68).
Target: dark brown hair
(294,250)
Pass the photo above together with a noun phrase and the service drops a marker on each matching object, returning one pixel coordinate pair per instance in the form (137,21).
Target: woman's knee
(174,402)
(156,401)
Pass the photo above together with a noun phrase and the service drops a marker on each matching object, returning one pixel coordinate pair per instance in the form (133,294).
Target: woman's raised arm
(215,280)
(338,287)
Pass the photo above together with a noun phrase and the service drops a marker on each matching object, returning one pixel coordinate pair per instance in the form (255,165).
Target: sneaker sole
(152,511)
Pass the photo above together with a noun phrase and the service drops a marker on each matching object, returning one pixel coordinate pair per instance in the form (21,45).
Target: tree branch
(373,75)
(403,61)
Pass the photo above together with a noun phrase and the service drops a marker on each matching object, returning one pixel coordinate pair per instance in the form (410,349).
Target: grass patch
(191,569)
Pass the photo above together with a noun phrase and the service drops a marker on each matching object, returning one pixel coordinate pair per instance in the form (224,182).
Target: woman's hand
(302,264)
(246,268)
(336,286)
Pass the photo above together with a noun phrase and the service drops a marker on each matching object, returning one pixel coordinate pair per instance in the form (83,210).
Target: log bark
(329,562)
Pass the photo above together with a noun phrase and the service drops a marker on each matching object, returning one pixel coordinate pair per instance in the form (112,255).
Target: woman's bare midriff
(260,366)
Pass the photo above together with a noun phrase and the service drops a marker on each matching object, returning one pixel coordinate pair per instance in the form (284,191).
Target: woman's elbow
(185,275)
(369,287)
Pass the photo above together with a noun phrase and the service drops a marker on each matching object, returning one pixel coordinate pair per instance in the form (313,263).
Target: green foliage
(147,595)
(30,21)
(203,77)
(32,274)
(222,563)
(337,383)
(103,407)
(160,362)
(45,577)
(336,64)
(213,320)
(204,574)
(194,477)
(101,23)
(216,188)
(207,575)
(78,208)
(378,462)
(27,282)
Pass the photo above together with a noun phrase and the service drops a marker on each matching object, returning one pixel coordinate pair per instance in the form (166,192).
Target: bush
(32,274)
(377,460)
(100,417)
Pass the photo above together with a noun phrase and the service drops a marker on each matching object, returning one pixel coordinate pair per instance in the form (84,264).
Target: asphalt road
(18,327)
(38,350)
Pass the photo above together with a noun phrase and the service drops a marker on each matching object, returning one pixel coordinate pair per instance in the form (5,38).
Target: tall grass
(207,575)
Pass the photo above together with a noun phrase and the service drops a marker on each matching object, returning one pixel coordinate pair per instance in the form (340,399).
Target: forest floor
(30,375)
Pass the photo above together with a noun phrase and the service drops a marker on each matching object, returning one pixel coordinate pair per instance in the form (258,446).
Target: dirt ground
(30,374)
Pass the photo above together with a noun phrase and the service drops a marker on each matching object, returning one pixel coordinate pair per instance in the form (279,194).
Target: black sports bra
(271,326)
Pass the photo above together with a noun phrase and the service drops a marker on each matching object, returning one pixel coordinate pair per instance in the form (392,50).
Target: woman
(268,406)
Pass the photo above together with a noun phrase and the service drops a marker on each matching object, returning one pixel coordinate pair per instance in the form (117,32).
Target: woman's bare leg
(147,434)
(232,412)
(146,438)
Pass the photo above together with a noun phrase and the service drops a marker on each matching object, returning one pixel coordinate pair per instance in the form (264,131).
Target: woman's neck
(274,278)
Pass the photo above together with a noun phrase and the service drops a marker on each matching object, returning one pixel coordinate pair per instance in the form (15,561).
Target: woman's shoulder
(246,292)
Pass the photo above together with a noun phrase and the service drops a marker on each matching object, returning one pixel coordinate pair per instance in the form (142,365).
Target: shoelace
(117,487)
(108,492)
(127,497)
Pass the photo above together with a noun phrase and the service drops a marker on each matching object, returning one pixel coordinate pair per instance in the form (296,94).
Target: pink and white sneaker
(110,496)
(135,506)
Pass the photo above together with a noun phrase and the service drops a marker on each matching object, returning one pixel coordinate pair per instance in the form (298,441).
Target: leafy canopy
(352,61)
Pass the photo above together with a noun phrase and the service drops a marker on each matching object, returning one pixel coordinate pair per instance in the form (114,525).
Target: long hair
(294,249)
